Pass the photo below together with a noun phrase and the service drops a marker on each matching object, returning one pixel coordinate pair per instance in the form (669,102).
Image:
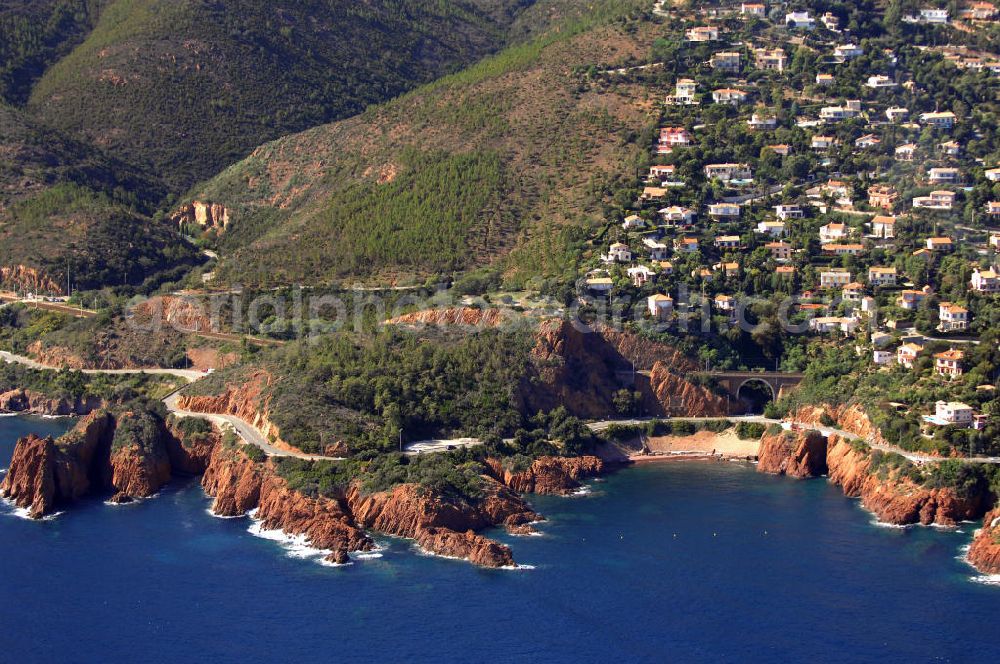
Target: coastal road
(249,433)
(246,431)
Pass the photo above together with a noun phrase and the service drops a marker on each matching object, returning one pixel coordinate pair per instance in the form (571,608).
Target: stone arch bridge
(779,383)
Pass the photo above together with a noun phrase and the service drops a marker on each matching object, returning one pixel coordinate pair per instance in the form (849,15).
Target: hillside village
(843,156)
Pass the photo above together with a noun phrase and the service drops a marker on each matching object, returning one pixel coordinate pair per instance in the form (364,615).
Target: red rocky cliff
(548,475)
(800,454)
(985,550)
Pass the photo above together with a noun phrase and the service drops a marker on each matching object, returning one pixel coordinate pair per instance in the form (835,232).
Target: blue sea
(679,562)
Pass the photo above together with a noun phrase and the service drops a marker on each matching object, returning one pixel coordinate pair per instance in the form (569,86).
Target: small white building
(832,232)
(790,211)
(882,276)
(618,253)
(799,20)
(771,228)
(834,278)
(660,306)
(953,412)
(985,281)
(953,317)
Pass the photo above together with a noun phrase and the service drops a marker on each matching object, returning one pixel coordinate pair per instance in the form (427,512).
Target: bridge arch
(757,398)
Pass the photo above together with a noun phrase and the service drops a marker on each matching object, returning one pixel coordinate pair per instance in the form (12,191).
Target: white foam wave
(514,568)
(366,555)
(986,579)
(883,524)
(23,512)
(222,516)
(295,546)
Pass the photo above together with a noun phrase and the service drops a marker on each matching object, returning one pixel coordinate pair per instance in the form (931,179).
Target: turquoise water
(675,562)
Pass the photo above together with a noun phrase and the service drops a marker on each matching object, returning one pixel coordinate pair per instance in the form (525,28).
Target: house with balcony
(771,228)
(789,211)
(906,355)
(685,91)
(993,208)
(661,173)
(762,121)
(952,413)
(906,152)
(946,175)
(992,174)
(936,200)
(724,210)
(825,79)
(728,242)
(884,227)
(726,172)
(770,59)
(882,196)
(780,251)
(657,250)
(618,253)
(641,275)
(880,277)
(675,215)
(853,292)
(633,222)
(985,281)
(832,232)
(953,317)
(939,119)
(753,9)
(880,82)
(868,141)
(846,52)
(830,22)
(729,96)
(726,62)
(828,324)
(949,363)
(834,277)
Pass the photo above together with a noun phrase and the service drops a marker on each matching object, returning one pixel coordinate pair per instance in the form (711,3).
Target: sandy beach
(702,444)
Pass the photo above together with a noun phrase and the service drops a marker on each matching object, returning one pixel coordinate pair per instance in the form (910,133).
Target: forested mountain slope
(185,87)
(508,156)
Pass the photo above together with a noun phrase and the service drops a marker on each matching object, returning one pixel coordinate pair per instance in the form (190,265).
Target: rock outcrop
(204,214)
(582,369)
(132,455)
(795,454)
(456,317)
(45,473)
(892,496)
(548,475)
(28,279)
(984,553)
(446,527)
(36,403)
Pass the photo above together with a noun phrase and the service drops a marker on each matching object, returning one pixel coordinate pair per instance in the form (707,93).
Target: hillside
(66,206)
(185,87)
(36,33)
(455,175)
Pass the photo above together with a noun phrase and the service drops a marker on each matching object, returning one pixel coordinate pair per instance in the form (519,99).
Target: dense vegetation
(36,33)
(82,238)
(77,385)
(515,149)
(216,79)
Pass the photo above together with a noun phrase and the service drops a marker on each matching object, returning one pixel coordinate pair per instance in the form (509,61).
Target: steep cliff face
(28,279)
(45,473)
(35,403)
(548,475)
(897,499)
(249,401)
(800,454)
(582,368)
(179,313)
(132,455)
(985,550)
(456,316)
(204,214)
(442,526)
(140,465)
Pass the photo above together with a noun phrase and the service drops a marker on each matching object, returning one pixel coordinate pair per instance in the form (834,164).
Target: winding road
(253,436)
(245,430)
